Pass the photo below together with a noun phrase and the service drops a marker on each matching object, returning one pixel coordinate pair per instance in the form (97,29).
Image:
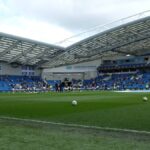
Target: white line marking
(76,125)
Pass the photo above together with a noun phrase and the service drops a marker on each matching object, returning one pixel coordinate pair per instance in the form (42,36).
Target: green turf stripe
(75,125)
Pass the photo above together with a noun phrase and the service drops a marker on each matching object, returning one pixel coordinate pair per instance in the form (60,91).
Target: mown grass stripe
(76,125)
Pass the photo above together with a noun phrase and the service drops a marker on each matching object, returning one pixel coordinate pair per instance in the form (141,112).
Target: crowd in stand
(22,83)
(120,81)
(113,81)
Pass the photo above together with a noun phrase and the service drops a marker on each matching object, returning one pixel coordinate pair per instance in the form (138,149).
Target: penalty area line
(75,125)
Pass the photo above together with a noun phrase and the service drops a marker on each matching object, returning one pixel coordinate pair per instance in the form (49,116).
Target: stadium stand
(120,81)
(104,81)
(21,83)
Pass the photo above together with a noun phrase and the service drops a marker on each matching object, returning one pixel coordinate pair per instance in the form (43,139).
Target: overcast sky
(54,20)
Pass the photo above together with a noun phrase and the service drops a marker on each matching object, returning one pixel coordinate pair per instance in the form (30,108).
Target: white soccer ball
(145,98)
(74,103)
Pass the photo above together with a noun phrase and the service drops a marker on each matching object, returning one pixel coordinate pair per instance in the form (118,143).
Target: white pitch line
(76,125)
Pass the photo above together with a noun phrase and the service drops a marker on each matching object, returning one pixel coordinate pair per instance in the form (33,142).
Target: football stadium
(88,92)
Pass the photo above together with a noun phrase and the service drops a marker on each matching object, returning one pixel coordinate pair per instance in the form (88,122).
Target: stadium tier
(108,81)
(20,83)
(120,81)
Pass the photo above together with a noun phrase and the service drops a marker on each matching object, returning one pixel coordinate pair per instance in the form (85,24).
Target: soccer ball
(145,99)
(74,103)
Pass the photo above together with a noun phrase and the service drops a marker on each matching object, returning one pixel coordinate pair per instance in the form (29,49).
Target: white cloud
(34,29)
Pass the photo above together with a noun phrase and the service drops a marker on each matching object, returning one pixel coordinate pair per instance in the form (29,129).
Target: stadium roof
(25,51)
(128,36)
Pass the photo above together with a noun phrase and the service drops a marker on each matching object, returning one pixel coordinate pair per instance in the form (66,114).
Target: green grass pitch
(95,108)
(104,109)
